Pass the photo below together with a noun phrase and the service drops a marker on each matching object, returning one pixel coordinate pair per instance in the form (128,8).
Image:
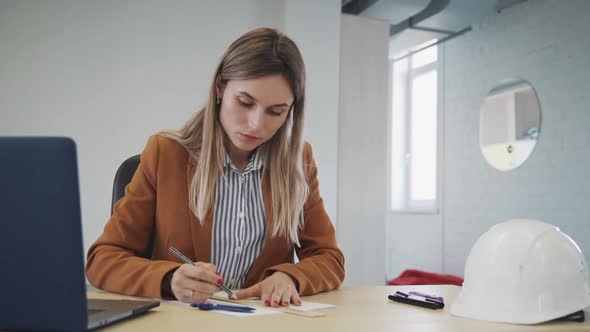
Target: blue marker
(225,307)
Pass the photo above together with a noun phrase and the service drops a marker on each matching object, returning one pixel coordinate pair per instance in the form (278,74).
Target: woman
(235,190)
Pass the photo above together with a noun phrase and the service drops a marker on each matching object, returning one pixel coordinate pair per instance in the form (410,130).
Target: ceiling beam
(503,4)
(355,7)
(433,8)
(442,40)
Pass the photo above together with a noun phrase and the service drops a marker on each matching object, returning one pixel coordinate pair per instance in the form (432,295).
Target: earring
(218,100)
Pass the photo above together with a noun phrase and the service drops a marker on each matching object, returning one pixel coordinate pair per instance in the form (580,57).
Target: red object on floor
(417,277)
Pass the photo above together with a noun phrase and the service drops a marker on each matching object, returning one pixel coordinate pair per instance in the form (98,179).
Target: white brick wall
(546,43)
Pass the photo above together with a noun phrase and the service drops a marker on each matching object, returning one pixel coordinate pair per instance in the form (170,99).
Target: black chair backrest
(123,177)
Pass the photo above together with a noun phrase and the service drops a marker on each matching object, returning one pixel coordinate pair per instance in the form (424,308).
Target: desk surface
(357,309)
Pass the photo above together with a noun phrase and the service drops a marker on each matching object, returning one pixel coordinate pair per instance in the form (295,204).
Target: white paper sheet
(257,312)
(305,305)
(221,298)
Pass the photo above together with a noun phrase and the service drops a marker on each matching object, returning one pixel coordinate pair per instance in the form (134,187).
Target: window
(414,131)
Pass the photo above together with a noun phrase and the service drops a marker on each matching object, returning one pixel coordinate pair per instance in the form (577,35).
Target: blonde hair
(258,53)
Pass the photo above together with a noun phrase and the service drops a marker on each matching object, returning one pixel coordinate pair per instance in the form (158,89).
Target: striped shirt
(239,223)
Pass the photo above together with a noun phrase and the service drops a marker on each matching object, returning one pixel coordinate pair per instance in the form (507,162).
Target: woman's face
(253,110)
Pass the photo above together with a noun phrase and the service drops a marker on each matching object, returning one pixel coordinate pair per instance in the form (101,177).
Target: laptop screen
(42,280)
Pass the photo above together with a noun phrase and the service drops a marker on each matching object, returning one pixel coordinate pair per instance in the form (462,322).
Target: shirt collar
(254,164)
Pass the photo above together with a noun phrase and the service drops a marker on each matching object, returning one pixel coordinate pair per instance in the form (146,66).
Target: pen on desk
(226,307)
(428,297)
(188,261)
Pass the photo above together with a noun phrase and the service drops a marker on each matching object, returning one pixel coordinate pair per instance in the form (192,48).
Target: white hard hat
(524,272)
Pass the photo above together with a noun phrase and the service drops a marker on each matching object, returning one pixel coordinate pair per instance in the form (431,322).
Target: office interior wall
(362,148)
(531,40)
(111,73)
(315,25)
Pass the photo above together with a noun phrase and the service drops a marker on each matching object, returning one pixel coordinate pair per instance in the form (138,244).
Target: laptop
(42,281)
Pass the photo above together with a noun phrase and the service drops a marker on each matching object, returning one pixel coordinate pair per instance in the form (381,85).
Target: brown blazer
(157,200)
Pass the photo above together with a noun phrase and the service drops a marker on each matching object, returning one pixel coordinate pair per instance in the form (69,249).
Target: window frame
(407,205)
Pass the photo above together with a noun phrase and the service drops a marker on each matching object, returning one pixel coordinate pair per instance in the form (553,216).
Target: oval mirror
(509,124)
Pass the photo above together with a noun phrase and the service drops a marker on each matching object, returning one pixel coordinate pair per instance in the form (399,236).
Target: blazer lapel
(201,232)
(266,196)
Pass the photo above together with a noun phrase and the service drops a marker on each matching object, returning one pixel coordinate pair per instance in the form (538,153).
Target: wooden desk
(364,309)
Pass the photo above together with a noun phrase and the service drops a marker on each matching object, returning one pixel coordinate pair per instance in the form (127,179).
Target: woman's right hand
(195,283)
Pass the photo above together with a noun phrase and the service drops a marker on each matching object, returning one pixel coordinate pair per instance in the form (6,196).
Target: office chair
(122,178)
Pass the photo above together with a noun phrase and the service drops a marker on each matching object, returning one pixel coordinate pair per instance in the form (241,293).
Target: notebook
(42,281)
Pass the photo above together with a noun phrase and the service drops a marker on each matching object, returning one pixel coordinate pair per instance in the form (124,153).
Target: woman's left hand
(275,291)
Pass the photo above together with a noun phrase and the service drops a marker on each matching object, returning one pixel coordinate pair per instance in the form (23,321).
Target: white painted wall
(531,40)
(414,241)
(315,27)
(362,148)
(111,73)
